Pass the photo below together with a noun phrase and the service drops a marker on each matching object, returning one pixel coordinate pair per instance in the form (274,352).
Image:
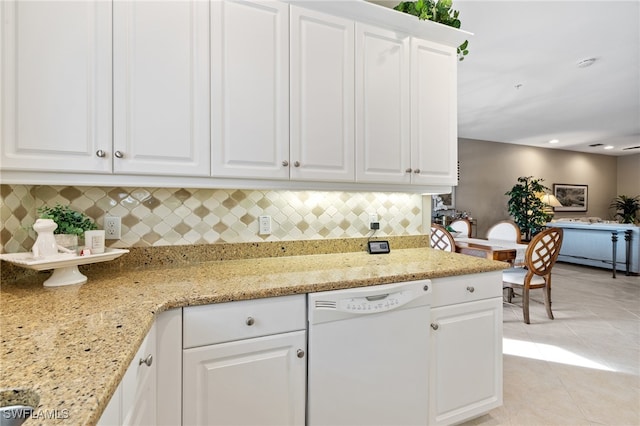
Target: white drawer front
(466,288)
(225,322)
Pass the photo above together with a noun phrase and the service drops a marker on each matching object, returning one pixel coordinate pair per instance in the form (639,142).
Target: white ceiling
(537,44)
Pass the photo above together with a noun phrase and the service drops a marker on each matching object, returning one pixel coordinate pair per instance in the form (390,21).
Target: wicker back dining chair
(506,230)
(462,225)
(542,253)
(441,239)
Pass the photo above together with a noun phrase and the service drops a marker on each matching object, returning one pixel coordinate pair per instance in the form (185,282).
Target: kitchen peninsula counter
(72,345)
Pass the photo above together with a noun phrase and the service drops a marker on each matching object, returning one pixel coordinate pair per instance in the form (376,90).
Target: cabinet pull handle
(296,164)
(408,170)
(285,163)
(434,326)
(118,154)
(100,153)
(300,353)
(148,360)
(250,321)
(470,289)
(417,171)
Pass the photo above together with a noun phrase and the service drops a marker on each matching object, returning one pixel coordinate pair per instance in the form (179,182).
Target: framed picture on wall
(444,201)
(573,198)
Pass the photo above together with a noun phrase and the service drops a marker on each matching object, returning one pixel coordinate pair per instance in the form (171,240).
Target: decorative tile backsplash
(179,216)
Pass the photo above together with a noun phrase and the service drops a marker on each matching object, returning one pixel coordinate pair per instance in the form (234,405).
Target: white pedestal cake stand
(64,265)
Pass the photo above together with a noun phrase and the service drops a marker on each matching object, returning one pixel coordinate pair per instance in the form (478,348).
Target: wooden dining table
(504,251)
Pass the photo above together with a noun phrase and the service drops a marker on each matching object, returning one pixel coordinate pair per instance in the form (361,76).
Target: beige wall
(629,175)
(489,169)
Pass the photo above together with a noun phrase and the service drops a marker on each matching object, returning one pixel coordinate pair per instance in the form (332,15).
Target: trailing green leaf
(437,11)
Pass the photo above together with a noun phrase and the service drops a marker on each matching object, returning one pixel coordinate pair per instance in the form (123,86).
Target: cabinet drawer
(466,288)
(225,322)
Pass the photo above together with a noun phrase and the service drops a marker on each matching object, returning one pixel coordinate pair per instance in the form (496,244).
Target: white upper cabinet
(252,93)
(250,89)
(322,97)
(161,87)
(434,133)
(382,105)
(56,85)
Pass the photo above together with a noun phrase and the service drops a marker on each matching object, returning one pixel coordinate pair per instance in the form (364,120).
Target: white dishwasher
(368,355)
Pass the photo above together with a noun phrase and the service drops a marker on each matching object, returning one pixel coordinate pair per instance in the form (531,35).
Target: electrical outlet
(373,221)
(265,225)
(112,228)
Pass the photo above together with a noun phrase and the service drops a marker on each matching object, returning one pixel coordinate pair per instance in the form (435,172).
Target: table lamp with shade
(550,201)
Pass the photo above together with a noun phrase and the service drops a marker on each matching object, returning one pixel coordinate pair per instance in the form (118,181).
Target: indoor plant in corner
(525,206)
(71,224)
(627,208)
(439,11)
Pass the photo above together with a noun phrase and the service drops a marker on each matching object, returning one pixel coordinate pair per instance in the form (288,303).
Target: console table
(598,244)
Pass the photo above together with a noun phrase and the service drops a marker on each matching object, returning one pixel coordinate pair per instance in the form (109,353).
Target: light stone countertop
(72,345)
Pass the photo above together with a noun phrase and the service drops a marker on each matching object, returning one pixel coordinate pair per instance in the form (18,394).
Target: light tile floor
(583,368)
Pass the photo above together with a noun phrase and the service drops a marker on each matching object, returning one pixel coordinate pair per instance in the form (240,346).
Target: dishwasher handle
(377,297)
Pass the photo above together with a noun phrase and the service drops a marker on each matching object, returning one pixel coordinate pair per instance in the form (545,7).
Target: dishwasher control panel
(377,303)
(335,305)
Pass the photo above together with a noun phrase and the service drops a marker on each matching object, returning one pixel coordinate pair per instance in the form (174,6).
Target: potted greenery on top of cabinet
(437,11)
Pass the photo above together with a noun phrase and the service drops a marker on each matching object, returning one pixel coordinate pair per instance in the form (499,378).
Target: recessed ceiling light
(608,147)
(586,62)
(554,141)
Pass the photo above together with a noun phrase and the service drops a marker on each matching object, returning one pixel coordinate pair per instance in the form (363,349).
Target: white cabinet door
(55,90)
(169,368)
(250,89)
(134,401)
(322,97)
(258,381)
(434,135)
(382,106)
(139,385)
(466,360)
(161,87)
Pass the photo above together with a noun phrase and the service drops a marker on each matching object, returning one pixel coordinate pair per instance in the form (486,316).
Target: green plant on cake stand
(71,224)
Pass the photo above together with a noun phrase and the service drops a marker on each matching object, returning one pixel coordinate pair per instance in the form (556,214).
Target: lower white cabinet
(465,375)
(134,401)
(251,366)
(149,393)
(245,362)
